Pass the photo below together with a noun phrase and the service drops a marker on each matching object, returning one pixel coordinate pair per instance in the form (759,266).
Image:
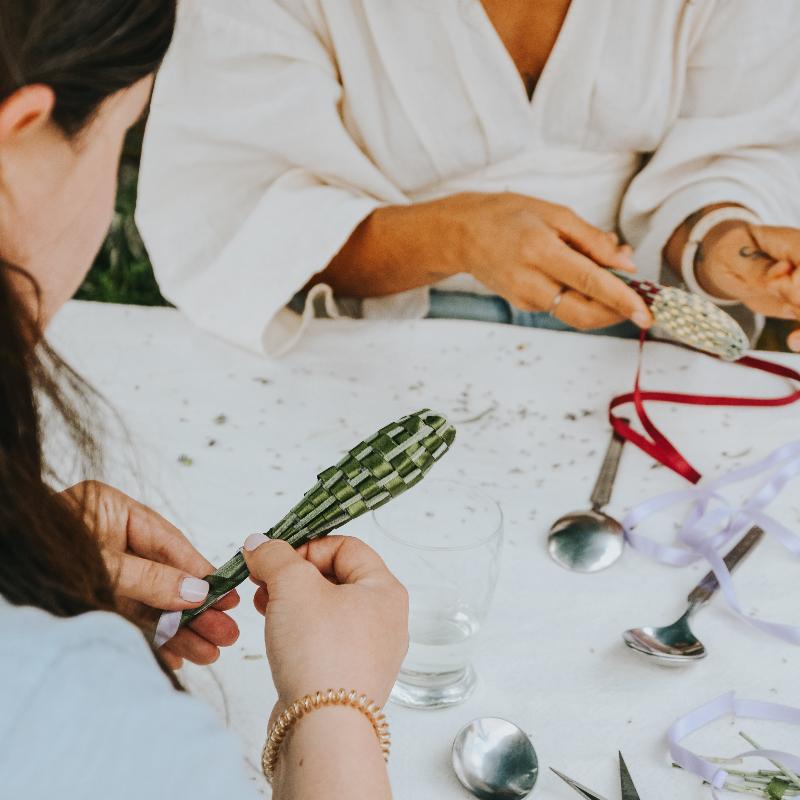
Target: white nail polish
(193,590)
(254,540)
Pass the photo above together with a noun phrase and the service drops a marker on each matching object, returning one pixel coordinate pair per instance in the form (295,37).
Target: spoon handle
(601,493)
(706,588)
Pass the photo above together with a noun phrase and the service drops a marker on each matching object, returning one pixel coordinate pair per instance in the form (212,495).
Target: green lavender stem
(792,779)
(372,473)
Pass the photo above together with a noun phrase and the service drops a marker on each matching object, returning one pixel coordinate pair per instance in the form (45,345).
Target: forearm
(330,754)
(395,249)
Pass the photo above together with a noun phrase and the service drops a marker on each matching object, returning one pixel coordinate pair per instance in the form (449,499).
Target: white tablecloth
(226,442)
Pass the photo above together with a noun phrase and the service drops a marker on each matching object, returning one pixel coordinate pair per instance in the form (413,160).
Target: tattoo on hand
(755,253)
(699,255)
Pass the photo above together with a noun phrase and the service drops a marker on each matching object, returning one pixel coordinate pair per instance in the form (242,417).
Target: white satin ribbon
(712,522)
(728,705)
(168,624)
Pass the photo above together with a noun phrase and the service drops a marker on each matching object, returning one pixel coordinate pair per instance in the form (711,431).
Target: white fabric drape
(278,125)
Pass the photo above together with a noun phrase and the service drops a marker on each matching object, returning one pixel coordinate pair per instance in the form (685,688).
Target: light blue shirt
(85,712)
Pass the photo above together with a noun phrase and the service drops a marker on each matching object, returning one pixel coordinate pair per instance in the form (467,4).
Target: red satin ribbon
(658,446)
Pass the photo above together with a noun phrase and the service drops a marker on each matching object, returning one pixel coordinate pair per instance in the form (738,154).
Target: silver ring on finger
(557,301)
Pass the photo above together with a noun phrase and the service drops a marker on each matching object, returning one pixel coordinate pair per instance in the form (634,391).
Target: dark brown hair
(85,50)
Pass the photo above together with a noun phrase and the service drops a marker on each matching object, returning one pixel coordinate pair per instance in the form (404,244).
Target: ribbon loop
(711,523)
(723,706)
(658,446)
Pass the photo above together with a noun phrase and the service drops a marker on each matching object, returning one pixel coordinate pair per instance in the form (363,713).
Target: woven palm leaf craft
(372,473)
(691,319)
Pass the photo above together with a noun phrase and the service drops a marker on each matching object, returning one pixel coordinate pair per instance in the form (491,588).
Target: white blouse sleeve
(97,718)
(736,133)
(250,181)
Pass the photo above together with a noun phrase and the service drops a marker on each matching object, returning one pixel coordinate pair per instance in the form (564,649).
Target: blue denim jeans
(490,308)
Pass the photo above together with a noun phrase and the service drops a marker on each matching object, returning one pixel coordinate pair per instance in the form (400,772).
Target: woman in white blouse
(472,158)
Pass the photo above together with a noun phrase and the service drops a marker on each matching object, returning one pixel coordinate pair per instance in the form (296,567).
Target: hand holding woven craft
(373,472)
(691,319)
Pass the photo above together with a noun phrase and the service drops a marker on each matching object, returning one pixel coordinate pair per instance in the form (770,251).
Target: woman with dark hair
(90,709)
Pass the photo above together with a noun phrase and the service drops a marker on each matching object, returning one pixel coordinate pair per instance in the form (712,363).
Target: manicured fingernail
(627,260)
(794,343)
(254,540)
(193,590)
(642,320)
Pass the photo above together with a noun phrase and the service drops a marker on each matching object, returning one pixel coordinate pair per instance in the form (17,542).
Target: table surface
(225,442)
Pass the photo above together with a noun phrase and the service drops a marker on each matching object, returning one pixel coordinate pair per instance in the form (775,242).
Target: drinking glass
(442,540)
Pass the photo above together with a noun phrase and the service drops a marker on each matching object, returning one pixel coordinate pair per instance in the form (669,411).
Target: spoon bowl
(586,541)
(675,645)
(671,645)
(495,760)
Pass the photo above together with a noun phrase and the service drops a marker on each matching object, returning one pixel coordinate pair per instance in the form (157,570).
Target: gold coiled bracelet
(311,702)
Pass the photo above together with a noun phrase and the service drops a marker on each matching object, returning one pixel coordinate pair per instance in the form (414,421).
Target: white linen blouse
(87,714)
(277,126)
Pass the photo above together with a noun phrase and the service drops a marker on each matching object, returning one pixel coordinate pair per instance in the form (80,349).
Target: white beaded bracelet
(696,236)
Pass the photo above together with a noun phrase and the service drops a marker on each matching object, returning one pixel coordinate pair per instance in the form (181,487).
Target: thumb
(780,244)
(269,559)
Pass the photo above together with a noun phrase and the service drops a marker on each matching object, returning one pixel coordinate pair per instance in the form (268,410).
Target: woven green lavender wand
(373,472)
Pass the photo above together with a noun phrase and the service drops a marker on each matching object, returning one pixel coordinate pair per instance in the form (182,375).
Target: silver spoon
(676,645)
(588,541)
(495,760)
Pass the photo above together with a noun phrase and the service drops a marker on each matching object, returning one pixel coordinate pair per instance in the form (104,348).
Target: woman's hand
(335,616)
(154,565)
(528,250)
(758,265)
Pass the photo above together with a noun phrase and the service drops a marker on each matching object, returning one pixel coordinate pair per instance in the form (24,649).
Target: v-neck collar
(556,53)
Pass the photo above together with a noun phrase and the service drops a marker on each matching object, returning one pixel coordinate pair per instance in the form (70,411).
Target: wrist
(709,269)
(703,272)
(357,676)
(448,234)
(420,234)
(326,724)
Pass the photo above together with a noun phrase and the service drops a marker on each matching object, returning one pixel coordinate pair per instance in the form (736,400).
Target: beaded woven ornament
(375,471)
(691,319)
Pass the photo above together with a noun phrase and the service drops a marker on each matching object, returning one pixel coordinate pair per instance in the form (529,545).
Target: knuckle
(274,546)
(586,283)
(151,576)
(300,570)
(531,241)
(354,547)
(540,246)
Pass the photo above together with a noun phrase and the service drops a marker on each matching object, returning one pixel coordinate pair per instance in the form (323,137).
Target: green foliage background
(122,272)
